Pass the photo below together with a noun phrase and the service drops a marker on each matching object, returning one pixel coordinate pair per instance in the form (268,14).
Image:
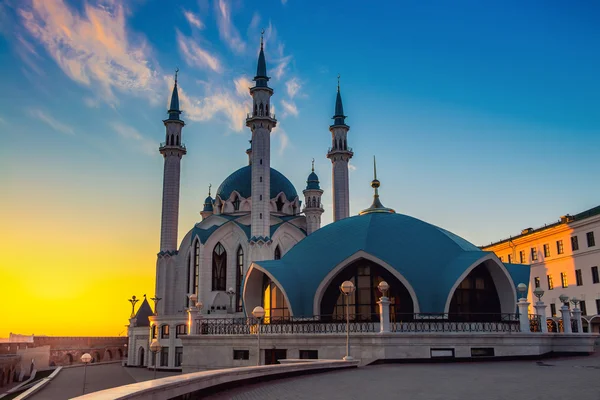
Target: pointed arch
(194,289)
(260,110)
(239,278)
(141,358)
(178,140)
(255,111)
(172,140)
(219,267)
(277,254)
(267,110)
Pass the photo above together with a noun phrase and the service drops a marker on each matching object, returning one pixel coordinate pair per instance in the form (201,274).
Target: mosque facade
(260,243)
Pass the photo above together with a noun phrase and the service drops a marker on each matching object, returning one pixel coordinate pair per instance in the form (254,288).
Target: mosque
(260,244)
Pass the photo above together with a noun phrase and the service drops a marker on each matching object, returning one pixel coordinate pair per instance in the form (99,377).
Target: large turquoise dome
(241,181)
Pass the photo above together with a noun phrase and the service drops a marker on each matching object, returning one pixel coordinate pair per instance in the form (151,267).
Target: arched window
(476,294)
(254,109)
(273,301)
(260,110)
(219,267)
(277,255)
(267,110)
(236,203)
(141,356)
(178,140)
(279,203)
(172,140)
(345,145)
(239,277)
(314,202)
(189,277)
(196,267)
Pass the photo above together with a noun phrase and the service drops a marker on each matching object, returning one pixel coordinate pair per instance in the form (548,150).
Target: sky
(484,117)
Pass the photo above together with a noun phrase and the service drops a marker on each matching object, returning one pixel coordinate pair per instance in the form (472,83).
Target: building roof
(429,257)
(241,181)
(313,181)
(142,314)
(208,204)
(339,117)
(564,220)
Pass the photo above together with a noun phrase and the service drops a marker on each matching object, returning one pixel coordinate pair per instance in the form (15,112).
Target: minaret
(312,202)
(172,150)
(261,122)
(207,210)
(340,154)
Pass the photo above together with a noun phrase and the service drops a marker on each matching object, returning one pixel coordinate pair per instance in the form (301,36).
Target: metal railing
(164,144)
(332,324)
(334,149)
(259,115)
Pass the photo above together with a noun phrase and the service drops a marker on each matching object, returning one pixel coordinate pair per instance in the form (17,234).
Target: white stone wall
(340,190)
(170,201)
(313,209)
(261,181)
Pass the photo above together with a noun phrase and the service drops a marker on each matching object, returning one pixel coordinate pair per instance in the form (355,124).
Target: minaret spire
(340,154)
(376,207)
(174,110)
(313,209)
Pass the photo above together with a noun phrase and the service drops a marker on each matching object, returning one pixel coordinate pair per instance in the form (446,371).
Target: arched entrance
(476,298)
(69,359)
(120,352)
(108,355)
(97,357)
(141,356)
(366,275)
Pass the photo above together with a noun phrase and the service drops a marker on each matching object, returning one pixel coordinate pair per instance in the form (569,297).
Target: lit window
(546,250)
(559,247)
(563,280)
(164,331)
(590,239)
(522,256)
(533,254)
(239,279)
(536,281)
(509,258)
(196,266)
(574,243)
(578,278)
(180,330)
(550,282)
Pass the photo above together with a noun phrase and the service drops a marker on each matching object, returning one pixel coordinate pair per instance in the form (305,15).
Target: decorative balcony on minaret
(261,121)
(313,209)
(340,154)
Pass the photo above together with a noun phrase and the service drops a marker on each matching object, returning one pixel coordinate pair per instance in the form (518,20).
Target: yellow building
(564,259)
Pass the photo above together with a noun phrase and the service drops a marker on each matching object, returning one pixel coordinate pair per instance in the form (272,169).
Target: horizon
(484,120)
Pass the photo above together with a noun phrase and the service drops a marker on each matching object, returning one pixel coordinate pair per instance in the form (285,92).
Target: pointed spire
(313,180)
(376,207)
(339,117)
(313,165)
(261,77)
(174,111)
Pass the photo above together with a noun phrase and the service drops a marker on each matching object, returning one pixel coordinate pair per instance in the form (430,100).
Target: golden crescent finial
(209,186)
(313,165)
(338,82)
(262,35)
(176,71)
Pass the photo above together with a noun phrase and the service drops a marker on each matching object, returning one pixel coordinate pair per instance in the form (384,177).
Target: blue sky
(484,116)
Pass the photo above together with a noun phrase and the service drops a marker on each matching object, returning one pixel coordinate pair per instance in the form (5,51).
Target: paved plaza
(565,378)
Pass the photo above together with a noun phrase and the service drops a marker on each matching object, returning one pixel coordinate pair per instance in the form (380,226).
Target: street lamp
(155,348)
(258,313)
(133,300)
(564,299)
(230,292)
(538,292)
(575,301)
(347,288)
(383,288)
(522,289)
(86,358)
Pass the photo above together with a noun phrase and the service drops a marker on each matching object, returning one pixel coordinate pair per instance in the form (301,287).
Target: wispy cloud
(242,85)
(284,2)
(351,166)
(51,121)
(91,102)
(284,141)
(195,55)
(227,30)
(142,143)
(293,87)
(193,19)
(2,120)
(289,108)
(277,52)
(92,48)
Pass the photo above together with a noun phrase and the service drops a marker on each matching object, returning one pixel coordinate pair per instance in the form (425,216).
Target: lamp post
(230,292)
(540,309)
(155,348)
(86,358)
(565,313)
(347,288)
(523,306)
(133,300)
(577,314)
(258,313)
(384,307)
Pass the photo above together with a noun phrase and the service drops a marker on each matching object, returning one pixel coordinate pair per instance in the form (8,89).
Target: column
(577,318)
(523,305)
(172,334)
(566,317)
(384,314)
(540,309)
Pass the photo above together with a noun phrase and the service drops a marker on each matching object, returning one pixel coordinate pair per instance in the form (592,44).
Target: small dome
(208,204)
(241,181)
(313,181)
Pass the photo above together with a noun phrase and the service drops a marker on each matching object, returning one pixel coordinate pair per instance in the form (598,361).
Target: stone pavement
(69,382)
(561,378)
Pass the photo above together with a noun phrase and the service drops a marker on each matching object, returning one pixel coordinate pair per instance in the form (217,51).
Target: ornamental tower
(340,154)
(172,151)
(312,202)
(261,122)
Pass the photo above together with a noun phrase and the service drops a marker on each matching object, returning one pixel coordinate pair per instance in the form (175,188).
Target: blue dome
(429,257)
(208,204)
(313,181)
(241,181)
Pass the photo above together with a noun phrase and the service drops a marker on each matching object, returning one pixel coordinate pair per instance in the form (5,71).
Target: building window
(260,179)
(582,307)
(196,267)
(574,243)
(178,356)
(597,306)
(236,204)
(536,281)
(164,332)
(522,256)
(309,354)
(595,278)
(154,330)
(590,239)
(277,255)
(219,267)
(188,280)
(559,247)
(501,259)
(164,356)
(273,301)
(241,354)
(239,278)
(578,278)
(509,258)
(533,254)
(546,250)
(180,330)
(553,309)
(563,280)
(550,282)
